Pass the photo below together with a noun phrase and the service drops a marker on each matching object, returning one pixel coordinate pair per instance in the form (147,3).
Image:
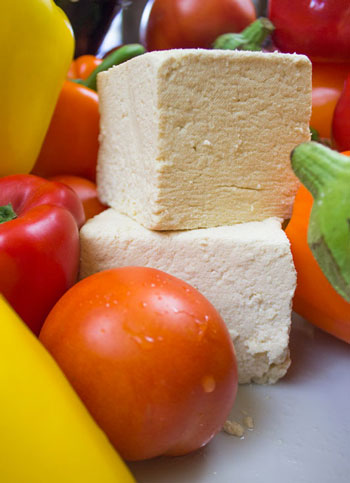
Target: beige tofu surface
(201,138)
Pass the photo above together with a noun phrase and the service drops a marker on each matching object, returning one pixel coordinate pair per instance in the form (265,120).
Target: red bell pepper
(327,84)
(318,28)
(39,244)
(341,120)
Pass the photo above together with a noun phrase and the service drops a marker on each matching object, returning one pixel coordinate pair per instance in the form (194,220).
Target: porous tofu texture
(246,271)
(201,138)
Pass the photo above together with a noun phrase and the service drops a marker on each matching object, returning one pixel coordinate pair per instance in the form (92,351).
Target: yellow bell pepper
(37,45)
(47,434)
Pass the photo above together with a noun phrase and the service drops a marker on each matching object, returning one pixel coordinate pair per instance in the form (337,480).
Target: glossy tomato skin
(83,66)
(169,24)
(150,357)
(319,29)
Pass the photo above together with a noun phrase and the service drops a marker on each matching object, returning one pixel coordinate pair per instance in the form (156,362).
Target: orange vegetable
(149,356)
(315,299)
(327,84)
(71,143)
(86,191)
(83,66)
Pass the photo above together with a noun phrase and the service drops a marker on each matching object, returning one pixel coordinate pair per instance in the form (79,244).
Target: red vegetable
(39,244)
(341,120)
(327,83)
(86,191)
(168,24)
(149,356)
(317,28)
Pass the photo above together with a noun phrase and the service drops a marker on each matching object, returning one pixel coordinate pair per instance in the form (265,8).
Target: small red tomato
(83,66)
(169,24)
(86,191)
(149,356)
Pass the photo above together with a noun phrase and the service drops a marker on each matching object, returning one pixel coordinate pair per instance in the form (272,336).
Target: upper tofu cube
(198,138)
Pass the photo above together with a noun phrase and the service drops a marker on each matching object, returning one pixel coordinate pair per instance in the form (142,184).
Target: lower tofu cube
(245,270)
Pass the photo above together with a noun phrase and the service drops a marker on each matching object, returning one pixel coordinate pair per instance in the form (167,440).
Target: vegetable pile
(149,398)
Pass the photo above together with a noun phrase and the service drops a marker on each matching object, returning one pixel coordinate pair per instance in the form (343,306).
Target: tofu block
(198,138)
(245,270)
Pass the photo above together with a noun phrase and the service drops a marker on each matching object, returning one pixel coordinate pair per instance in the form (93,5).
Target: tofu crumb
(233,428)
(248,422)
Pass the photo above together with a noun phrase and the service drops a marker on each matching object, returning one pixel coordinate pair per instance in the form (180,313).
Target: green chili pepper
(124,53)
(326,174)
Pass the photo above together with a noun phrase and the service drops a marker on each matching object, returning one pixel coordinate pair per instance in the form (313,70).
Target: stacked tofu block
(194,163)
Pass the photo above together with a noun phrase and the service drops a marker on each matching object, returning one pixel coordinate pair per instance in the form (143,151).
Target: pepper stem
(251,38)
(7,213)
(317,165)
(118,56)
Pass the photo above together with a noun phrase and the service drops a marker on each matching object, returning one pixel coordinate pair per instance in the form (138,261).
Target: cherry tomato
(168,24)
(149,356)
(82,67)
(86,191)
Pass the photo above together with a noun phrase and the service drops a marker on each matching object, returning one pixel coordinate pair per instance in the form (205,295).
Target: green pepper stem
(317,165)
(124,53)
(251,38)
(7,213)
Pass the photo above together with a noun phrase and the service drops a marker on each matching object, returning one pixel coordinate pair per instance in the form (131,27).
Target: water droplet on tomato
(208,383)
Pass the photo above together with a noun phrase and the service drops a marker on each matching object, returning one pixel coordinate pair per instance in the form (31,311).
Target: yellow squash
(37,45)
(47,435)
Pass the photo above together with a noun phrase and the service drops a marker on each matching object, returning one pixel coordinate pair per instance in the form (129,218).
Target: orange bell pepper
(315,299)
(71,144)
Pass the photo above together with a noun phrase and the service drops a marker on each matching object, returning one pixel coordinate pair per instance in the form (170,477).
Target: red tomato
(149,356)
(169,24)
(83,66)
(86,191)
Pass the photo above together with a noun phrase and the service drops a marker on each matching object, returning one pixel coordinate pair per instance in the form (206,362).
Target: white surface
(301,425)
